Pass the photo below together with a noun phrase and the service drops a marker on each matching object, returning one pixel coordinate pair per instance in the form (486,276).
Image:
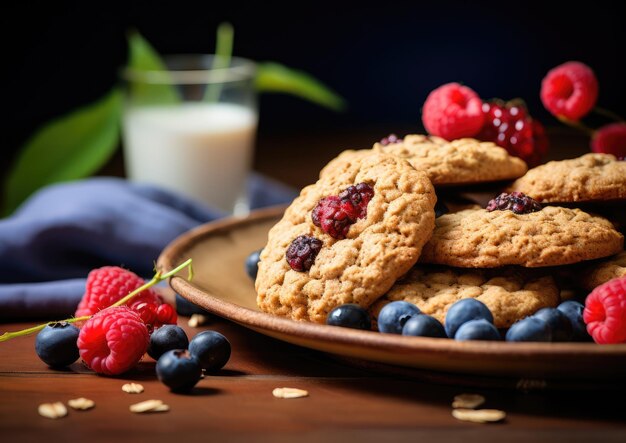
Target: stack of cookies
(367,231)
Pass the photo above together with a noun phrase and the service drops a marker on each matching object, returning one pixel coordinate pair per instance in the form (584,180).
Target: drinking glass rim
(240,69)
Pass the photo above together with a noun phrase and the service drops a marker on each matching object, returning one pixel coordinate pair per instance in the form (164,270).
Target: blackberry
(302,251)
(517,202)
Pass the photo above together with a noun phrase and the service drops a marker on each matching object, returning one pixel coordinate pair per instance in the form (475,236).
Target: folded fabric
(49,245)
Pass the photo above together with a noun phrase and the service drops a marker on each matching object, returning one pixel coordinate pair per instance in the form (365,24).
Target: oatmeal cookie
(459,162)
(377,249)
(603,271)
(589,178)
(477,238)
(510,293)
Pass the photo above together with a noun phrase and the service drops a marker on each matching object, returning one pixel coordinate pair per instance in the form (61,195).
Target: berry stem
(607,113)
(156,279)
(578,125)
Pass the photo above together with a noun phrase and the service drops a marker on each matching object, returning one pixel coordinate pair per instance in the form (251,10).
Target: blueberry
(424,326)
(56,344)
(440,209)
(529,329)
(574,311)
(480,329)
(211,349)
(463,311)
(349,315)
(185,308)
(252,263)
(394,315)
(166,338)
(178,370)
(559,323)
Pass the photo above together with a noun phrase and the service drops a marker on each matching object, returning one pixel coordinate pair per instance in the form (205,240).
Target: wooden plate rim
(172,255)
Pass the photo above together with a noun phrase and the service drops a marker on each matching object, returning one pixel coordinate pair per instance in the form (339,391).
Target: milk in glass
(202,150)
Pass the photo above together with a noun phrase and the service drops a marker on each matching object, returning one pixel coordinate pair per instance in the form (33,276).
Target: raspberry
(509,126)
(113,340)
(610,139)
(390,140)
(331,218)
(605,312)
(570,90)
(516,202)
(453,111)
(166,315)
(302,251)
(108,284)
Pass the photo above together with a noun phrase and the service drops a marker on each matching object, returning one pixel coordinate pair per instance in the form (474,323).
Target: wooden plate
(221,286)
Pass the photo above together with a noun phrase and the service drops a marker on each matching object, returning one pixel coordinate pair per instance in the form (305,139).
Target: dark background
(383,59)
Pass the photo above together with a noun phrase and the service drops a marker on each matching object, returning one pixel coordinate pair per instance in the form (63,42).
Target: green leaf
(143,57)
(274,77)
(70,147)
(223,55)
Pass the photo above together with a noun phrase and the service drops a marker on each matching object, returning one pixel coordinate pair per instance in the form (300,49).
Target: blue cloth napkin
(49,245)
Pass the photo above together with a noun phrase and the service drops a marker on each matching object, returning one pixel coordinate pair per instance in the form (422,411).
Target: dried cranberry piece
(334,215)
(354,200)
(390,140)
(302,251)
(329,215)
(517,202)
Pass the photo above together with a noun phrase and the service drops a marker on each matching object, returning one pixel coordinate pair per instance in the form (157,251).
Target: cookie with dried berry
(465,161)
(347,238)
(510,293)
(598,178)
(516,230)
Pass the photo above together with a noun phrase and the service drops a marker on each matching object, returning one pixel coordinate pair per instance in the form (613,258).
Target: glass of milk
(192,128)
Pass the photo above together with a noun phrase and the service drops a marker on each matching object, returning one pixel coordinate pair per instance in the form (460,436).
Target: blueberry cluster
(467,319)
(180,362)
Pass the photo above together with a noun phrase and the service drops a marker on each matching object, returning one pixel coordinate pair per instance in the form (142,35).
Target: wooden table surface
(346,402)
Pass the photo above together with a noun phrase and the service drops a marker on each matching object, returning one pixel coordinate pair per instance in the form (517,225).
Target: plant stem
(578,125)
(156,279)
(607,113)
(221,59)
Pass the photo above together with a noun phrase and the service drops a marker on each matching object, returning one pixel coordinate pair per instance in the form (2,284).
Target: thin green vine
(158,277)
